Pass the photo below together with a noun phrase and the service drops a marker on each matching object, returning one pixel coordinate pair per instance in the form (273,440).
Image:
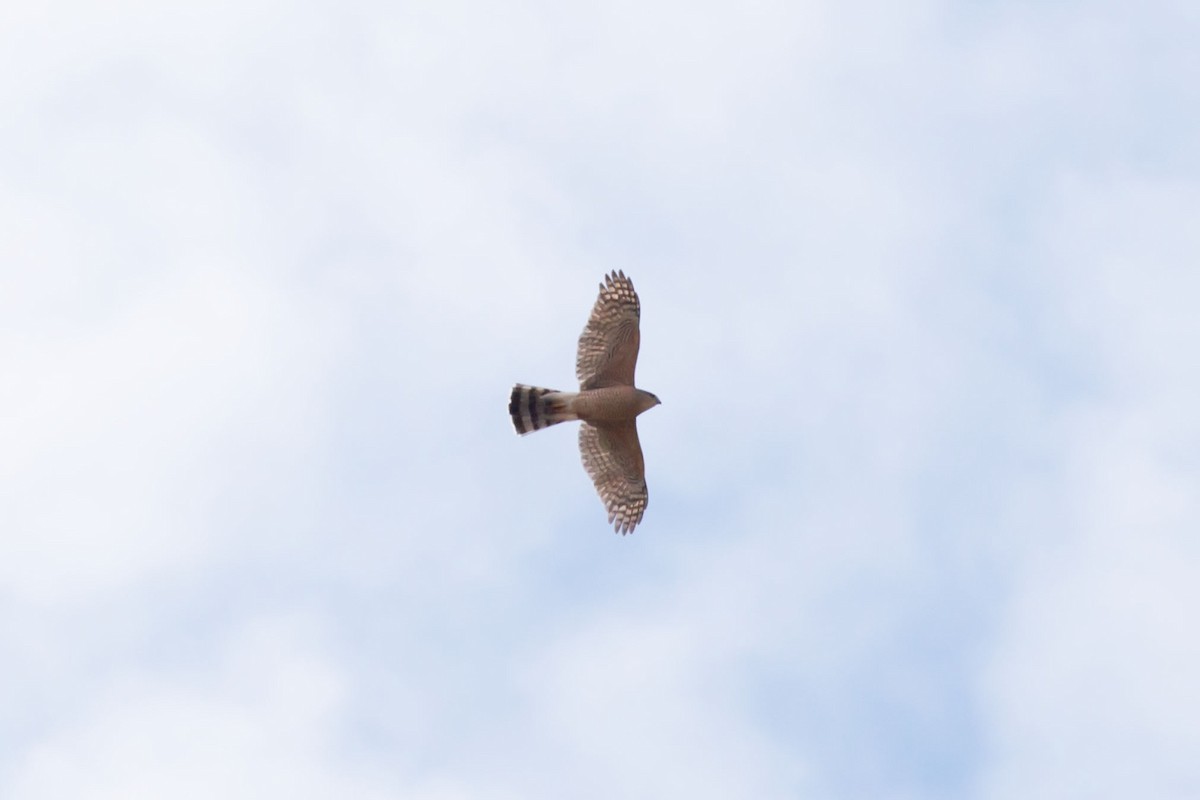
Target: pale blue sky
(918,284)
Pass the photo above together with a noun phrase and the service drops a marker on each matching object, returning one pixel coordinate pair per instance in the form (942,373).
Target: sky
(918,288)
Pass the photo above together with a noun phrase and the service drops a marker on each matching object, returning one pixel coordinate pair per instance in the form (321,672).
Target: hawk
(607,403)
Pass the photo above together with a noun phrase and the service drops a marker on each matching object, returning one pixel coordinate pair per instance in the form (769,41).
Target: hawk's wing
(612,457)
(608,346)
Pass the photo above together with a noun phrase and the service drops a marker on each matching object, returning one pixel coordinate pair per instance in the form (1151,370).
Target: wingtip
(622,526)
(614,276)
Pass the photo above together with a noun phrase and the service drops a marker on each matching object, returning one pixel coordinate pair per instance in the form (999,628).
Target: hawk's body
(607,403)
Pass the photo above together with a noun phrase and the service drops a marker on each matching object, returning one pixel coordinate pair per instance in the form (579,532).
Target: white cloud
(637,700)
(924,359)
(260,720)
(123,433)
(1092,687)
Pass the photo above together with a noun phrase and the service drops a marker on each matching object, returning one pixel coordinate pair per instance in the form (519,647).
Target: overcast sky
(919,290)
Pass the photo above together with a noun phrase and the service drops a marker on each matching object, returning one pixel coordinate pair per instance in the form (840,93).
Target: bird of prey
(607,403)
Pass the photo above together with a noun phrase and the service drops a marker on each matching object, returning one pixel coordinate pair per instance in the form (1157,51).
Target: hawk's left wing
(608,346)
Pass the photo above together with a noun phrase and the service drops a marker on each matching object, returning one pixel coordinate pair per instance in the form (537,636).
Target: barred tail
(533,408)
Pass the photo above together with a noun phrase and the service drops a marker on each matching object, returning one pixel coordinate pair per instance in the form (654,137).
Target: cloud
(259,718)
(114,430)
(1090,686)
(916,295)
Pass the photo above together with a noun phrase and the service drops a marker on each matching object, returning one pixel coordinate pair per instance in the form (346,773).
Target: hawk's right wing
(612,457)
(608,346)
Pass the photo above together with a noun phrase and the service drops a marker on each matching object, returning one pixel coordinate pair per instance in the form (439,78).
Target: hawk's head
(646,401)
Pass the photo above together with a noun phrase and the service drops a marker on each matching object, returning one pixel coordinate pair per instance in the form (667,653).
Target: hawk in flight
(607,403)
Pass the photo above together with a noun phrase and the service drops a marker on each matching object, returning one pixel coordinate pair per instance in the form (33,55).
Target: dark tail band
(533,408)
